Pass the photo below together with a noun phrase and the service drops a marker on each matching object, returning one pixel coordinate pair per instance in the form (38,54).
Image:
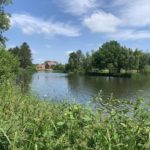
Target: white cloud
(137,13)
(123,20)
(32,25)
(120,19)
(78,7)
(102,22)
(130,35)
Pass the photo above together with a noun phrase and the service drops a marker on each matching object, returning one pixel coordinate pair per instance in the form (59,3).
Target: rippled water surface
(58,86)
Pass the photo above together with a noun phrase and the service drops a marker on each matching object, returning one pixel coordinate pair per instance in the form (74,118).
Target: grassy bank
(123,75)
(27,123)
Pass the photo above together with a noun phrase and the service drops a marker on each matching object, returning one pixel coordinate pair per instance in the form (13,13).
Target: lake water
(59,86)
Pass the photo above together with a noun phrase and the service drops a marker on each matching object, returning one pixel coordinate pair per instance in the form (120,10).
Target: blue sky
(54,28)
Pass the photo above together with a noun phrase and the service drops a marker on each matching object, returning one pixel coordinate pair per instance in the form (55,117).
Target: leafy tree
(8,64)
(112,56)
(15,51)
(75,62)
(87,63)
(4,20)
(24,54)
(97,61)
(144,59)
(59,67)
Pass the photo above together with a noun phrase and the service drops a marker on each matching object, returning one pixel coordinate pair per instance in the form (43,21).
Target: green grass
(27,123)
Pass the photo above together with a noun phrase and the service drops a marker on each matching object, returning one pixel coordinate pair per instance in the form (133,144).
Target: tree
(8,64)
(87,63)
(25,56)
(144,59)
(75,62)
(59,68)
(111,56)
(15,51)
(4,20)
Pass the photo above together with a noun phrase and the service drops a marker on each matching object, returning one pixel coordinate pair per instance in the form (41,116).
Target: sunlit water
(58,86)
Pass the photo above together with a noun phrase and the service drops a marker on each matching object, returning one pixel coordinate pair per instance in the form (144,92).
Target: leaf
(60,123)
(87,118)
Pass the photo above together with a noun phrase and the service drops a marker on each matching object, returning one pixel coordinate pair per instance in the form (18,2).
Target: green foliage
(87,63)
(112,56)
(59,68)
(4,20)
(8,64)
(27,123)
(24,54)
(75,62)
(147,69)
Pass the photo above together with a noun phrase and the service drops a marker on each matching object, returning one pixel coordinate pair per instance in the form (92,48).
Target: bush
(8,64)
(147,69)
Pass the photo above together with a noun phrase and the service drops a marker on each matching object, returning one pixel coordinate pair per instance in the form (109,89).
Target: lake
(59,86)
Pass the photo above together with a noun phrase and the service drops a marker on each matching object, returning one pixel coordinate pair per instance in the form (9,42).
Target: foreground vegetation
(27,123)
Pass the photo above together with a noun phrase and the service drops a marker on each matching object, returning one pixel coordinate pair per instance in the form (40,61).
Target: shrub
(8,64)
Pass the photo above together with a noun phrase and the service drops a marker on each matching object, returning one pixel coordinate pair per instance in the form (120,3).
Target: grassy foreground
(27,123)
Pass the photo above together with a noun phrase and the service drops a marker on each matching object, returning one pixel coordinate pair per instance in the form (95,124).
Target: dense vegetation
(9,64)
(24,55)
(110,56)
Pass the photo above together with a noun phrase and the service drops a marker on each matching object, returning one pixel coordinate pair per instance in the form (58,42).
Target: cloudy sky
(54,28)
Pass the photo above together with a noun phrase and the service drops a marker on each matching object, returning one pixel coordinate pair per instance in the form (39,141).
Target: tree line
(110,56)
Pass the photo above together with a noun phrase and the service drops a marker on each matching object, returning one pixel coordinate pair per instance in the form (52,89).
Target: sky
(55,28)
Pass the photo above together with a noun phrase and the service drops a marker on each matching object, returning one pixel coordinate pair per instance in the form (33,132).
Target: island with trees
(111,59)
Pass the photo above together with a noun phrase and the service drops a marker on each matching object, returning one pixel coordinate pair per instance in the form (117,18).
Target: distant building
(40,67)
(48,65)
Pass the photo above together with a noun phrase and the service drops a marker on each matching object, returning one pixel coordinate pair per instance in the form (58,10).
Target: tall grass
(27,123)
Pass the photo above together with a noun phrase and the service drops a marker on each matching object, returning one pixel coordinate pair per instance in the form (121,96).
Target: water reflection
(24,79)
(83,88)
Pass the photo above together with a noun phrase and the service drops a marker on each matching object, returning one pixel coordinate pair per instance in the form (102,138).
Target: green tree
(144,59)
(25,56)
(15,51)
(4,20)
(59,68)
(8,64)
(87,63)
(75,62)
(111,56)
(98,60)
